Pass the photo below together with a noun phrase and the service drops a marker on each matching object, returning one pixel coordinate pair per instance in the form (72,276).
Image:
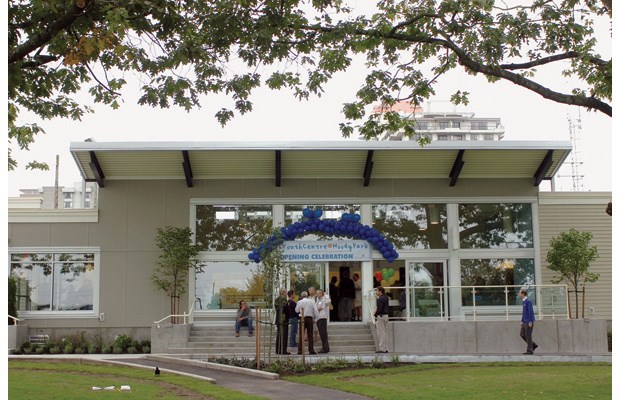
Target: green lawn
(473,381)
(45,380)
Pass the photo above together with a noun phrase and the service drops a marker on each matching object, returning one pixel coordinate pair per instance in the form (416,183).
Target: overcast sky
(279,116)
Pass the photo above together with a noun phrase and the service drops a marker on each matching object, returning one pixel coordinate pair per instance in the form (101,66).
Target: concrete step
(250,352)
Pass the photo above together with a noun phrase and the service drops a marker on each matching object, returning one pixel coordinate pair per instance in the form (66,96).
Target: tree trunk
(576,303)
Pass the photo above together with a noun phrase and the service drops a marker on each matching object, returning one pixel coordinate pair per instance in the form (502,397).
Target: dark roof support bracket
(278,168)
(368,167)
(456,168)
(187,169)
(96,168)
(543,168)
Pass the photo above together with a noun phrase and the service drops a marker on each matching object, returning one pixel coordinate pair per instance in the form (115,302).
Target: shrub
(106,349)
(17,350)
(92,349)
(117,349)
(39,350)
(122,341)
(146,349)
(54,350)
(79,350)
(27,350)
(132,350)
(376,363)
(69,349)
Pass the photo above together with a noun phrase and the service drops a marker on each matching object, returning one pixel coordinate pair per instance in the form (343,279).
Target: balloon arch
(348,226)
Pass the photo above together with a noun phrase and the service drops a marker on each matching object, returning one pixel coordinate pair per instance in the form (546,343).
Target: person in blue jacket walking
(527,322)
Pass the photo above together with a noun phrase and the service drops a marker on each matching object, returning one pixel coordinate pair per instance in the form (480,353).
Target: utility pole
(56,182)
(574,131)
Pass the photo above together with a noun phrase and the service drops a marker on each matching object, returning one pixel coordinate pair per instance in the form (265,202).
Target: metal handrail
(475,309)
(15,319)
(184,315)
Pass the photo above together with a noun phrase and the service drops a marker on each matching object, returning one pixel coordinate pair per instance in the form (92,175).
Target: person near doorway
(346,290)
(312,296)
(244,318)
(527,322)
(381,313)
(282,317)
(307,308)
(357,301)
(322,305)
(293,319)
(333,294)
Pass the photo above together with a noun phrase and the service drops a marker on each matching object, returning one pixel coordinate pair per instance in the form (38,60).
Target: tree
(12,304)
(570,254)
(178,255)
(183,50)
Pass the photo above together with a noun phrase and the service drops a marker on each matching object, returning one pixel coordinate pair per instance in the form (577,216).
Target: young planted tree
(570,255)
(178,255)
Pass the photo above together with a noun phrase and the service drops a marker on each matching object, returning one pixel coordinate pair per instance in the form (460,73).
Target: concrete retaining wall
(168,335)
(553,336)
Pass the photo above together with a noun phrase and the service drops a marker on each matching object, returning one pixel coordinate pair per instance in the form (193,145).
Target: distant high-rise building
(68,197)
(444,126)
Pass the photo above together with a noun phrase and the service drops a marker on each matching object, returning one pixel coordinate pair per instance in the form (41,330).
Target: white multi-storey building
(68,196)
(445,126)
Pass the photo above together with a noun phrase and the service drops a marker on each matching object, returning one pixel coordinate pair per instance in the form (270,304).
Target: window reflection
(66,284)
(230,227)
(515,273)
(487,226)
(412,226)
(224,284)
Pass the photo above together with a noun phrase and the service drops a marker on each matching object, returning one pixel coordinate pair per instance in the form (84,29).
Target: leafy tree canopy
(182,50)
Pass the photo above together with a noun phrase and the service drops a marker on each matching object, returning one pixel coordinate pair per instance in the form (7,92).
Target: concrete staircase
(213,334)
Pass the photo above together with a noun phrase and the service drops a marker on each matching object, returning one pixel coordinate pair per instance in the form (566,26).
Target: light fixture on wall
(433,214)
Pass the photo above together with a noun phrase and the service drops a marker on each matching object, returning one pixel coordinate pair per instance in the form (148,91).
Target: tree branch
(468,62)
(62,22)
(554,58)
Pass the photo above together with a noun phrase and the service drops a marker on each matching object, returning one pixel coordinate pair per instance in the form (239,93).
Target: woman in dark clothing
(333,294)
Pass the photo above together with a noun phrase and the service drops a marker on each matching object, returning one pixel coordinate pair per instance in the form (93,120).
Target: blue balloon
(356,217)
(307,213)
(318,213)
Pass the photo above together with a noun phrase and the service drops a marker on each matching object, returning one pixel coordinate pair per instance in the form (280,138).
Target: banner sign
(320,250)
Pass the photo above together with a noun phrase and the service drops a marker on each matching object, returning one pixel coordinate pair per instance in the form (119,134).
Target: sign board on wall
(321,250)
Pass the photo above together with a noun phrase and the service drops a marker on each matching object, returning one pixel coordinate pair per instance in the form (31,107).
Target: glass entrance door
(305,275)
(345,291)
(427,297)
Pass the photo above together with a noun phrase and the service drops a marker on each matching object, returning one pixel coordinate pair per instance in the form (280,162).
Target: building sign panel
(321,250)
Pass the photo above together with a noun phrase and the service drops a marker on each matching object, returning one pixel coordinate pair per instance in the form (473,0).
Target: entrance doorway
(345,290)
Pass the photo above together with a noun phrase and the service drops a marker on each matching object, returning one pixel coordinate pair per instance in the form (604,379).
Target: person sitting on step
(244,318)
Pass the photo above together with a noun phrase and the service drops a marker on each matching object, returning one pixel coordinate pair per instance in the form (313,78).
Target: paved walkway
(265,384)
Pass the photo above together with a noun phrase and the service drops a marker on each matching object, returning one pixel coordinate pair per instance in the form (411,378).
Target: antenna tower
(574,131)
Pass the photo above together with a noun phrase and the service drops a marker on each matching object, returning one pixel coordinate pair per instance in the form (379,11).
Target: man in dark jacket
(527,322)
(346,291)
(282,316)
(382,318)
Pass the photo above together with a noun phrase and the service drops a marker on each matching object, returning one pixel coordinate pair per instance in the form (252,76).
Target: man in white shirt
(307,308)
(322,304)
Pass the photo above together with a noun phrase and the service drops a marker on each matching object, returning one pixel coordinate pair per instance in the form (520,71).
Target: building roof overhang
(366,160)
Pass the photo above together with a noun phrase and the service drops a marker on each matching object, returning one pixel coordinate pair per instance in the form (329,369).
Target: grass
(467,381)
(67,381)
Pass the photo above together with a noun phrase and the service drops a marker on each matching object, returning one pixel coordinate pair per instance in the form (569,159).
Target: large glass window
(493,226)
(225,284)
(54,281)
(510,274)
(412,226)
(232,227)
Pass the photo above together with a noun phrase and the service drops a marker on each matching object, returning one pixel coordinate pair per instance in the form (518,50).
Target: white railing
(184,315)
(467,303)
(15,319)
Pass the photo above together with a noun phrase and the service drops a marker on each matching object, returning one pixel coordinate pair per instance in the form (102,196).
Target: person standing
(312,296)
(333,295)
(282,316)
(322,305)
(382,318)
(310,313)
(293,319)
(357,301)
(527,322)
(346,290)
